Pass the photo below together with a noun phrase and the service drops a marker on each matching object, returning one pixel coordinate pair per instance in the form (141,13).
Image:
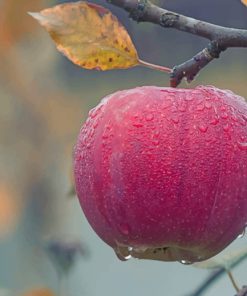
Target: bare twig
(232,279)
(208,282)
(220,37)
(214,276)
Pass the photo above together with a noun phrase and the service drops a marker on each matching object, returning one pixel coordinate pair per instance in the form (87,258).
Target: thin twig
(230,275)
(208,282)
(153,66)
(220,37)
(214,276)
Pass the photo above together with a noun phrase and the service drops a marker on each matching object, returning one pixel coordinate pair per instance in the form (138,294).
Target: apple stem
(154,67)
(230,275)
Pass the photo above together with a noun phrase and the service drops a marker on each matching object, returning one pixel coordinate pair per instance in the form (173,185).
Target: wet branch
(220,37)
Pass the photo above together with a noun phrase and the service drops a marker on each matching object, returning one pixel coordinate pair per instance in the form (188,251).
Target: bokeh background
(46,245)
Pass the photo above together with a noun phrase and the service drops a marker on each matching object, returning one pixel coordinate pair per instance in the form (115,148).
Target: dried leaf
(89,35)
(226,261)
(244,2)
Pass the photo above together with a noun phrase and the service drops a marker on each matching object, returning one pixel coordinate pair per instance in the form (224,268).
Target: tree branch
(220,37)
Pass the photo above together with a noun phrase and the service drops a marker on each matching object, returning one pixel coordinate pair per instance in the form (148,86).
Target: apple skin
(161,173)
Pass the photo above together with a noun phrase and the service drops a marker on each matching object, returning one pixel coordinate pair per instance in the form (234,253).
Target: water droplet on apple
(234,118)
(243,122)
(224,115)
(182,107)
(156,142)
(156,134)
(200,107)
(203,128)
(214,121)
(208,105)
(91,133)
(189,98)
(78,157)
(175,119)
(137,124)
(242,234)
(226,127)
(149,117)
(185,262)
(104,136)
(94,112)
(244,117)
(242,145)
(123,253)
(125,229)
(95,124)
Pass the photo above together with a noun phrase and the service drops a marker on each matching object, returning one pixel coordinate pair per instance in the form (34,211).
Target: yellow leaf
(244,2)
(89,35)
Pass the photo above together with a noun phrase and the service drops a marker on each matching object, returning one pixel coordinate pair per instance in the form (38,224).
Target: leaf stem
(230,275)
(154,67)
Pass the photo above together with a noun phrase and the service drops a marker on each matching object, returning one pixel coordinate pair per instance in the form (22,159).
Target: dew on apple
(125,229)
(137,124)
(185,262)
(203,128)
(171,160)
(226,127)
(149,117)
(241,235)
(200,107)
(208,105)
(175,119)
(242,145)
(224,115)
(123,252)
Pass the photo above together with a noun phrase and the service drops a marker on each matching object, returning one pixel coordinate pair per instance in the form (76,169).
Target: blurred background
(47,247)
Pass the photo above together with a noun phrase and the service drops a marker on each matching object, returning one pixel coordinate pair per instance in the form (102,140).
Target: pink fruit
(161,173)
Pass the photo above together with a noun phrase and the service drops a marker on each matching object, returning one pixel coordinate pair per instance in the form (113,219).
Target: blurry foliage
(63,254)
(14,23)
(39,118)
(39,292)
(10,209)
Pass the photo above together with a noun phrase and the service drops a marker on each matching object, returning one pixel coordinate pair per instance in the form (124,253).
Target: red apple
(161,173)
